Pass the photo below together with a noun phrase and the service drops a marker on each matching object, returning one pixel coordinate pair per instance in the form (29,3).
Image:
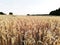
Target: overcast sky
(29,6)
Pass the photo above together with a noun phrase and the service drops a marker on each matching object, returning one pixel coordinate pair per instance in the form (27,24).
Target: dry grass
(29,30)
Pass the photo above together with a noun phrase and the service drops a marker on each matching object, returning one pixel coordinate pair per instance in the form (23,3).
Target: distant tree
(10,13)
(55,12)
(1,13)
(28,14)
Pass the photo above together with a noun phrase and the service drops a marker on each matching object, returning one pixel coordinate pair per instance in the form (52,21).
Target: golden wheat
(29,30)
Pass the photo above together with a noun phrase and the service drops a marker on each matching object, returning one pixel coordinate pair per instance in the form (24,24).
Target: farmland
(29,30)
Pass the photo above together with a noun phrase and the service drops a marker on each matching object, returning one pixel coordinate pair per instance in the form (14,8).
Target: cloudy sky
(28,6)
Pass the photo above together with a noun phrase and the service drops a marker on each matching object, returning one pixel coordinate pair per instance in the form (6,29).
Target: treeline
(52,13)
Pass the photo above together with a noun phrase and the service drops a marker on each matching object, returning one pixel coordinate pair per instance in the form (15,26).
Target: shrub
(1,13)
(10,13)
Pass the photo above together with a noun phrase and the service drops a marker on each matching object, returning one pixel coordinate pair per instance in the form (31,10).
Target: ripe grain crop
(29,30)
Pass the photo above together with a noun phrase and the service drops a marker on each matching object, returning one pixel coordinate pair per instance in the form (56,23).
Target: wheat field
(29,30)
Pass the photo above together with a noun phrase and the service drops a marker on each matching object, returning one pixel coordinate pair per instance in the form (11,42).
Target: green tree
(55,12)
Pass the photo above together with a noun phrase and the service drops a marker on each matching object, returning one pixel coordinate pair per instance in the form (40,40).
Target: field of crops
(29,30)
